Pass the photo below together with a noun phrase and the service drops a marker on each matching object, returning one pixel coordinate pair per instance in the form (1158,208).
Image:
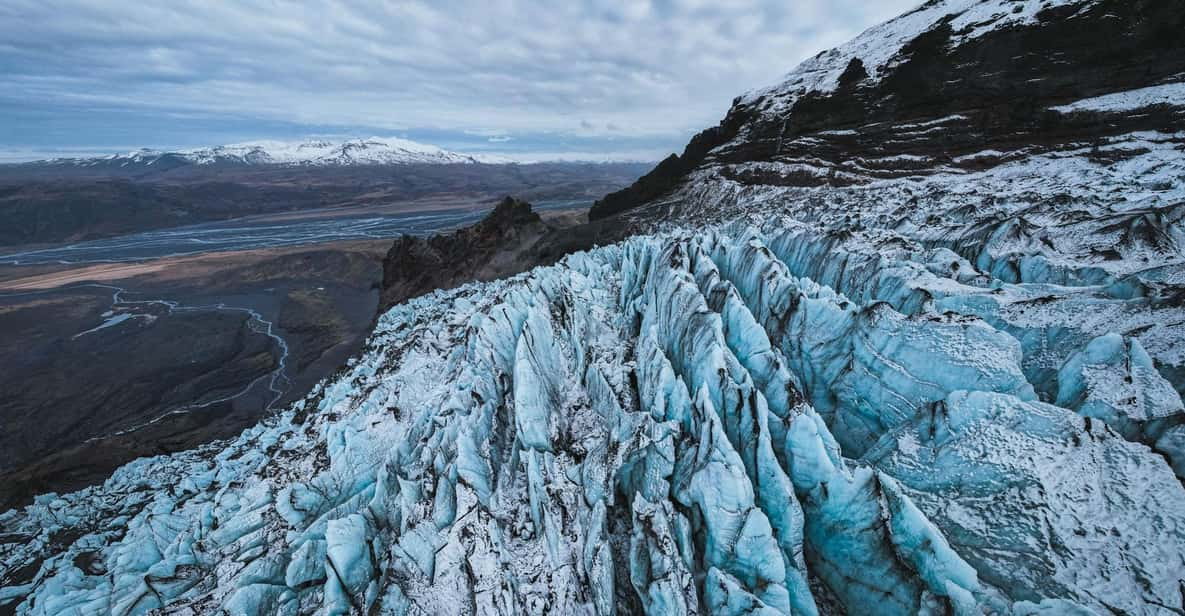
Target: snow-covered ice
(678,423)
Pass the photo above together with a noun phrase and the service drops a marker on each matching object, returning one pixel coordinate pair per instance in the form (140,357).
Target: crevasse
(680,423)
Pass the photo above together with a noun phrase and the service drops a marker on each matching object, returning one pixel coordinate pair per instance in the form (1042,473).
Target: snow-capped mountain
(953,87)
(371,151)
(905,334)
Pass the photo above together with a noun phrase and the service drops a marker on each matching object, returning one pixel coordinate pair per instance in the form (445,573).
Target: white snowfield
(1131,100)
(370,151)
(901,401)
(878,45)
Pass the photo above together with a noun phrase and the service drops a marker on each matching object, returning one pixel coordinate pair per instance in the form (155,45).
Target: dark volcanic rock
(671,170)
(416,265)
(510,240)
(853,74)
(949,98)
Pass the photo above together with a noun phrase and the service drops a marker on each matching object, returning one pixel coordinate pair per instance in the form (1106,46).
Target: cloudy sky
(579,79)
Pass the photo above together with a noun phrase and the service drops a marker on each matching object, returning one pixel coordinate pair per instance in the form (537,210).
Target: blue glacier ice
(679,423)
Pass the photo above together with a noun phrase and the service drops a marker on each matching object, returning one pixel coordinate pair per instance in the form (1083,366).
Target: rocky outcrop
(510,240)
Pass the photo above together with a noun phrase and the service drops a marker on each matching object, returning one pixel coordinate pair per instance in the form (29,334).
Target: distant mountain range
(78,199)
(315,152)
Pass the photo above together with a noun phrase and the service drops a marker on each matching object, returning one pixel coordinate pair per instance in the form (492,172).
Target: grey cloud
(659,68)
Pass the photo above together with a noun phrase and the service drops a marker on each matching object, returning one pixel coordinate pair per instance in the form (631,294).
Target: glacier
(679,423)
(867,348)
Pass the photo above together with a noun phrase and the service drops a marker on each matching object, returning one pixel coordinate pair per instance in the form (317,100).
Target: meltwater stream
(261,232)
(278,381)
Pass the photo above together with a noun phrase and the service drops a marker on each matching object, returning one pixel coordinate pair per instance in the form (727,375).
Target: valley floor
(108,362)
(164,340)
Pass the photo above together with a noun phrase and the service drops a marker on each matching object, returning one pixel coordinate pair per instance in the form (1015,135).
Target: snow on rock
(370,151)
(1131,100)
(876,47)
(314,152)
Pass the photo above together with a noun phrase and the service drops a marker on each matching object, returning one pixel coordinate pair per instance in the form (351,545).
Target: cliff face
(952,86)
(486,250)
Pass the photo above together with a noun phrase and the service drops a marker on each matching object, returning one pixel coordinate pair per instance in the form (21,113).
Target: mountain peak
(356,151)
(955,86)
(308,152)
(881,46)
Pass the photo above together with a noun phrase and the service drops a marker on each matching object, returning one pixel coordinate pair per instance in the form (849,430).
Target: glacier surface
(684,422)
(914,384)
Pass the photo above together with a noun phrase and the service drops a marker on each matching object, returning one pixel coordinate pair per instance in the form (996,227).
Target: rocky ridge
(954,87)
(511,239)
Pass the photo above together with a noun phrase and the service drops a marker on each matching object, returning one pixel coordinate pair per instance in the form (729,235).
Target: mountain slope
(371,151)
(953,87)
(868,358)
(1004,132)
